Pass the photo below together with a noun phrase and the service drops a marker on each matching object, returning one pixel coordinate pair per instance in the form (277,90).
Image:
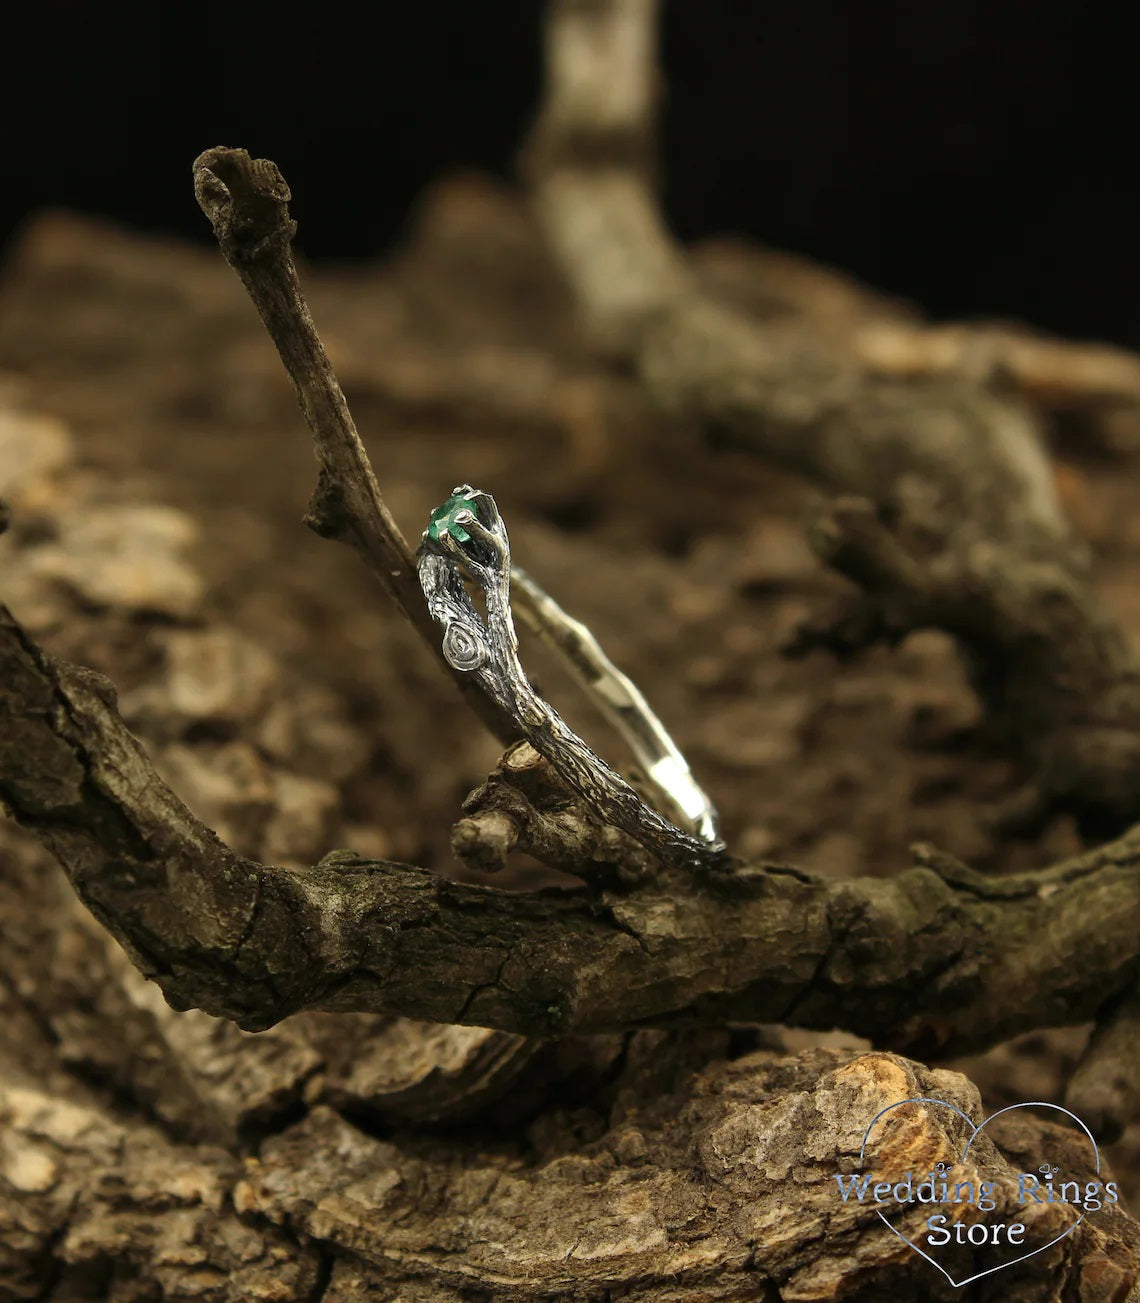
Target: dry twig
(246,200)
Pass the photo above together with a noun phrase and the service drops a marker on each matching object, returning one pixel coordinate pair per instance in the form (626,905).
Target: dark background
(979,157)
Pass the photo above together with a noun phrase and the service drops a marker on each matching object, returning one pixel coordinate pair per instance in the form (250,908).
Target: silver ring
(466,537)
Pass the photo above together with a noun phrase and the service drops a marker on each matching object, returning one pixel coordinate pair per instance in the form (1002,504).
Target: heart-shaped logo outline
(974,1132)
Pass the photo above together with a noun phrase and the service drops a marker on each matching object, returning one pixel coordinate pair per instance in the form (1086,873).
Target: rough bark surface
(910,962)
(673,1165)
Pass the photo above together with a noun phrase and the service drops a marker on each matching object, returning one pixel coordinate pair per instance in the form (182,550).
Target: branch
(911,963)
(956,470)
(246,200)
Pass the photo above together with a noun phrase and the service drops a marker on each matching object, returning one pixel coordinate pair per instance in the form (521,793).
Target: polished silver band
(466,536)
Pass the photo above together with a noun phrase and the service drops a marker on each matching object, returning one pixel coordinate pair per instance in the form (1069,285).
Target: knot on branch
(525,805)
(246,200)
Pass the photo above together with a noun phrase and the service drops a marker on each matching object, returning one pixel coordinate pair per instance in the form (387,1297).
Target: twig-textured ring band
(466,537)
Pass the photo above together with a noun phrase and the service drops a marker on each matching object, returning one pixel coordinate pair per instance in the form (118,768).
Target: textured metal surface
(488,648)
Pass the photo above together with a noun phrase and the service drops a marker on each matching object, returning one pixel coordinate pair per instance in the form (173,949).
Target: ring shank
(622,704)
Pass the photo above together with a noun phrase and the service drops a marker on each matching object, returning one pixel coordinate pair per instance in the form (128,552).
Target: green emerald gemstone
(443,519)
